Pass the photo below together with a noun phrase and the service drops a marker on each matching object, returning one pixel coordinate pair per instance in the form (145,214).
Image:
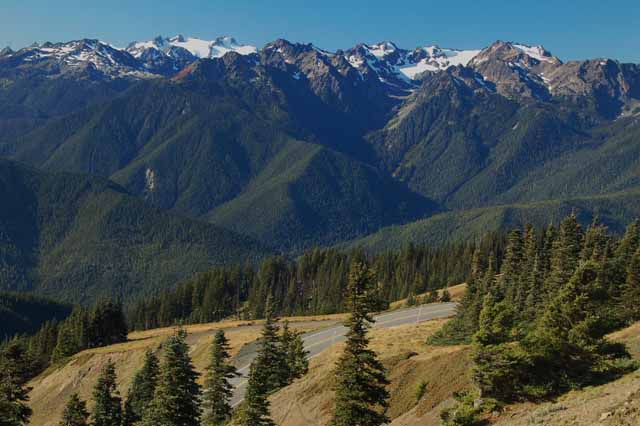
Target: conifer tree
(271,358)
(565,254)
(142,390)
(176,401)
(14,410)
(107,403)
(568,343)
(361,396)
(75,412)
(256,404)
(217,389)
(296,355)
(631,292)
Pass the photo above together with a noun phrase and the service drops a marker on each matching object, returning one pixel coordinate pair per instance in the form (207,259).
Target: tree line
(313,284)
(538,323)
(168,393)
(102,325)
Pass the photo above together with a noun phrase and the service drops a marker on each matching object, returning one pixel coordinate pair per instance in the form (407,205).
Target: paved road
(317,341)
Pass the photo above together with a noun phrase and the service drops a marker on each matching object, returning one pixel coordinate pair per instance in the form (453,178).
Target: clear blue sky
(571,29)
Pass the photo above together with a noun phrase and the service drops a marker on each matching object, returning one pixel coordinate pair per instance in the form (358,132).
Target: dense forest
(538,324)
(56,340)
(22,313)
(315,283)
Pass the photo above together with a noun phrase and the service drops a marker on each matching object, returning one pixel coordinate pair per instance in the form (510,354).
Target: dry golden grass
(456,292)
(409,360)
(52,388)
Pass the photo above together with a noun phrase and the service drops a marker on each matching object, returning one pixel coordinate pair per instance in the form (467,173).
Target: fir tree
(271,358)
(176,401)
(75,412)
(565,254)
(142,390)
(361,396)
(296,355)
(256,404)
(217,389)
(107,403)
(14,410)
(631,292)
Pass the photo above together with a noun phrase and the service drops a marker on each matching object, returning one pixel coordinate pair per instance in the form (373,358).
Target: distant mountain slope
(311,193)
(615,210)
(298,146)
(78,238)
(21,313)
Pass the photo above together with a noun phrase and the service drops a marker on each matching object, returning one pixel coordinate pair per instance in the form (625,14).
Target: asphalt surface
(317,341)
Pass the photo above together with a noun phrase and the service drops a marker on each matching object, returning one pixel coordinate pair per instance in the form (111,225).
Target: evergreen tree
(142,390)
(565,255)
(217,389)
(271,358)
(14,374)
(296,355)
(107,409)
(75,412)
(176,401)
(361,396)
(631,292)
(568,344)
(256,404)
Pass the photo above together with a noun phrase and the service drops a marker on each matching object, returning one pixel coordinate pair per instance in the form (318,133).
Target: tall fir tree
(142,390)
(256,405)
(631,291)
(271,358)
(75,412)
(564,255)
(176,400)
(217,388)
(14,410)
(361,396)
(107,409)
(296,355)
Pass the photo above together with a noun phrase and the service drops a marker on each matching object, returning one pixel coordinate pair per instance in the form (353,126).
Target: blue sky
(571,29)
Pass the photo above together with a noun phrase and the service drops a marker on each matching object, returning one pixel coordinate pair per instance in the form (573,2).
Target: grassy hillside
(52,388)
(79,238)
(615,210)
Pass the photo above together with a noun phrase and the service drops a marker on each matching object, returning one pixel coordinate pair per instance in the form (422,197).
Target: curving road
(317,341)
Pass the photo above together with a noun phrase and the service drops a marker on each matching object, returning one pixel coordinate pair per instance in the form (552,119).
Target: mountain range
(294,146)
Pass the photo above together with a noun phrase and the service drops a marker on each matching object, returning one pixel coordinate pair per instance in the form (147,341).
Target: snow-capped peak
(382,49)
(197,47)
(79,54)
(536,52)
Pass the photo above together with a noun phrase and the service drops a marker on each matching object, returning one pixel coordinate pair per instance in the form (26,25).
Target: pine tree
(568,344)
(14,410)
(361,396)
(296,355)
(75,412)
(565,255)
(107,410)
(176,401)
(271,358)
(217,389)
(631,292)
(256,404)
(142,390)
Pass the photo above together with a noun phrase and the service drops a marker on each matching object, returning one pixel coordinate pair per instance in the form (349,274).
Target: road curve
(317,341)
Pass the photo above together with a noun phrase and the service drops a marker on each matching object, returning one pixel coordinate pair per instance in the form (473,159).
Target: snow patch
(536,52)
